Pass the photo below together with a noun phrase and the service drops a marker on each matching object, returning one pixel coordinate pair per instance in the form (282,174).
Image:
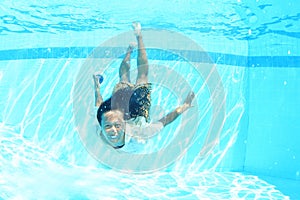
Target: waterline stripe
(115,52)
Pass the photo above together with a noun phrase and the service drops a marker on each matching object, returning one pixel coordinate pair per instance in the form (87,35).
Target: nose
(114,129)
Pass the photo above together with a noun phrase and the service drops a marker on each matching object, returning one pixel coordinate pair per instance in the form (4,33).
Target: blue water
(240,58)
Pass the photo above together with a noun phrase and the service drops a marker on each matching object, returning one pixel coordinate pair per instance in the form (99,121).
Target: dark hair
(120,100)
(103,108)
(132,102)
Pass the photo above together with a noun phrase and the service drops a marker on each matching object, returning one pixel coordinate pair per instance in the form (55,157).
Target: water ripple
(233,20)
(42,173)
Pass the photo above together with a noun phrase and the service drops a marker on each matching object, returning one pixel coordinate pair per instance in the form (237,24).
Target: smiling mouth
(114,136)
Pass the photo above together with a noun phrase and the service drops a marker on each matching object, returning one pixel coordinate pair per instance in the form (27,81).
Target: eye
(118,125)
(108,126)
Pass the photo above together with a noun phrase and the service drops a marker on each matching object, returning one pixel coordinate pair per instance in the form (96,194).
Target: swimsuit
(137,136)
(132,100)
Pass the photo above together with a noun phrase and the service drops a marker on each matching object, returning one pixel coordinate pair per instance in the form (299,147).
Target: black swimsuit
(133,101)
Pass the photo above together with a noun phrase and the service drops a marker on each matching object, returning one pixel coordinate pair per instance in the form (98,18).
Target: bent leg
(124,73)
(142,60)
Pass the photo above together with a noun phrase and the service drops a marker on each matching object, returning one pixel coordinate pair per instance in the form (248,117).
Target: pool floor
(288,187)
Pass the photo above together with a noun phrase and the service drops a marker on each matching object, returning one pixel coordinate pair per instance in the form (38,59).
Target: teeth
(113,137)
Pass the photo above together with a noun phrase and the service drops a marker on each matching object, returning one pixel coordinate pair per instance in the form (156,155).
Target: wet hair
(132,102)
(103,108)
(118,101)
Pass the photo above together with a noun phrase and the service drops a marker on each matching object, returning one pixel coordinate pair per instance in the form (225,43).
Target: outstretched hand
(187,103)
(188,100)
(179,110)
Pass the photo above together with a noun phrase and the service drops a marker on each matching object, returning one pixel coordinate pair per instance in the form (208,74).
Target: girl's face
(113,128)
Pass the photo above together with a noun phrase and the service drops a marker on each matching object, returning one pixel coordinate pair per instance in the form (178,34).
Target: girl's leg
(142,60)
(125,65)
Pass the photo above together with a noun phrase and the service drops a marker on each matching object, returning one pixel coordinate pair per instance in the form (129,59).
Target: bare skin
(142,59)
(179,110)
(113,127)
(124,70)
(124,73)
(98,97)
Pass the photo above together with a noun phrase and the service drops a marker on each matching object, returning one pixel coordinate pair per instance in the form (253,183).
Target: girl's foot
(131,46)
(137,28)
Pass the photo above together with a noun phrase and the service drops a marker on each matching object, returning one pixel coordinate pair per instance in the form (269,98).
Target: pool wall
(274,96)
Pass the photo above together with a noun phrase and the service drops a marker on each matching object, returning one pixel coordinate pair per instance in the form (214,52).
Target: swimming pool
(241,59)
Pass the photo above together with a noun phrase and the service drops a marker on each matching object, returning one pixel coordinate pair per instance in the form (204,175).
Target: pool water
(238,141)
